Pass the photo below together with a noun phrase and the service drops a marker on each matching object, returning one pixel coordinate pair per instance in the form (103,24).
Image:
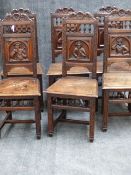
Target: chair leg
(51,80)
(105,110)
(37,117)
(41,90)
(9,112)
(92,119)
(50,116)
(129,104)
(64,111)
(102,102)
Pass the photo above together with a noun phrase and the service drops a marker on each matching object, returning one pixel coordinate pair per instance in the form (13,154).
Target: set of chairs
(83,39)
(79,40)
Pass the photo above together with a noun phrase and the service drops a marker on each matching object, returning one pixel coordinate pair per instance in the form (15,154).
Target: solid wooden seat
(117,80)
(56,69)
(71,85)
(21,86)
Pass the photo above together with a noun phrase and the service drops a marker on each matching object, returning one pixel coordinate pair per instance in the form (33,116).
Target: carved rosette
(18,52)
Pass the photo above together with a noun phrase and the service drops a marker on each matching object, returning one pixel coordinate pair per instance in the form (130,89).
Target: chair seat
(78,86)
(20,86)
(120,80)
(25,71)
(56,69)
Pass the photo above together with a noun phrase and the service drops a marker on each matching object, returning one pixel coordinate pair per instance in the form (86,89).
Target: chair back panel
(117,39)
(56,30)
(79,42)
(18,40)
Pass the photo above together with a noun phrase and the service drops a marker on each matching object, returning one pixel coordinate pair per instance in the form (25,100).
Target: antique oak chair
(40,70)
(79,49)
(19,52)
(117,63)
(55,69)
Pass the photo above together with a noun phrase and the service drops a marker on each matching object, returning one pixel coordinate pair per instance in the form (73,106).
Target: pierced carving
(120,46)
(79,51)
(64,10)
(71,102)
(118,95)
(18,52)
(17,28)
(72,28)
(81,28)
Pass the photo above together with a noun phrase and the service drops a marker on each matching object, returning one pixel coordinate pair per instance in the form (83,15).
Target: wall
(43,9)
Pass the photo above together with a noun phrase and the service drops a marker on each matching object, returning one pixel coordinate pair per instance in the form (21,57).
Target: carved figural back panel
(79,30)
(80,40)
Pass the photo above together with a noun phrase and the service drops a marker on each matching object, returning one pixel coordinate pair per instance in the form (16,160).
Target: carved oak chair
(117,63)
(19,52)
(79,49)
(40,69)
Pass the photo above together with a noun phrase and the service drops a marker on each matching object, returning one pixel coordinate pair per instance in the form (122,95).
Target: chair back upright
(80,42)
(18,44)
(117,40)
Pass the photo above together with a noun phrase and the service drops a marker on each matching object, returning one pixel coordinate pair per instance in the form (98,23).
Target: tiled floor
(68,152)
